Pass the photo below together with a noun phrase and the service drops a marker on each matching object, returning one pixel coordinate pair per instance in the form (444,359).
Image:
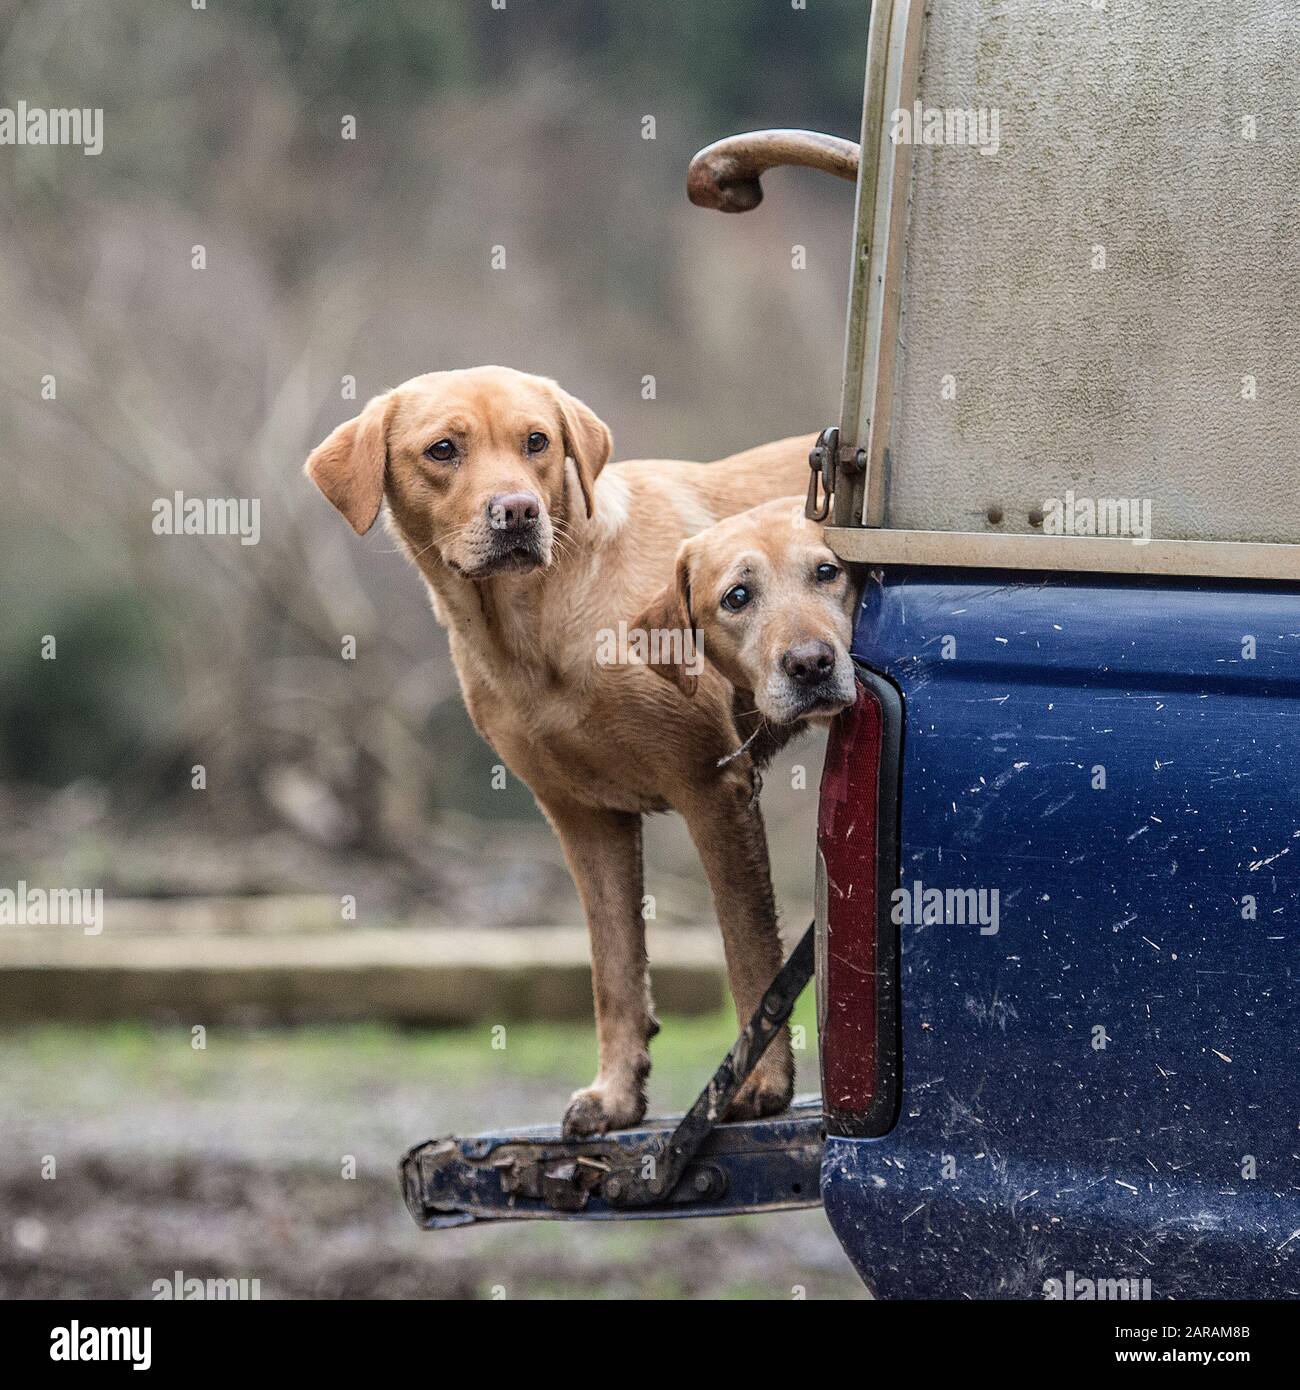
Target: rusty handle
(726,174)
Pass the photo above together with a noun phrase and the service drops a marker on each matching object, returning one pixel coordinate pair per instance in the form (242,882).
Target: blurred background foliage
(369,258)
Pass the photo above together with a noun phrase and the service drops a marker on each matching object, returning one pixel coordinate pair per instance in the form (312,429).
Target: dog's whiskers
(415,554)
(563,541)
(449,540)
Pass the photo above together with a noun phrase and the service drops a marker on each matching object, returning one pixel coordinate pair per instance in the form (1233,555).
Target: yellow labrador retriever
(536,552)
(773,610)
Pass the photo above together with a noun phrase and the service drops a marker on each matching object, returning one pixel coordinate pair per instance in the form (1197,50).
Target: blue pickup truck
(1058,848)
(1059,1008)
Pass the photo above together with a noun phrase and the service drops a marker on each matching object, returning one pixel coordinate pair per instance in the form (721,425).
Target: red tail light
(857,872)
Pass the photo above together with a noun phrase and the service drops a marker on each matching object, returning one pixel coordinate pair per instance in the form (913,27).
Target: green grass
(194,1141)
(127,1056)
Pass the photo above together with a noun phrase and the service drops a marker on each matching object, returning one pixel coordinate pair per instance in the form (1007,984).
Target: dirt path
(235,1162)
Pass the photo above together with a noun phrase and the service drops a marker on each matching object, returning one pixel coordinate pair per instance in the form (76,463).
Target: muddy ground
(230,1160)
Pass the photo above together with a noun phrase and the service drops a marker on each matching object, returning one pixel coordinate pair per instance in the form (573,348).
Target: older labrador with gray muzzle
(773,608)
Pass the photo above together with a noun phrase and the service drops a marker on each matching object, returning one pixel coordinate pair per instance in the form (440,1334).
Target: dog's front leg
(603,849)
(727,828)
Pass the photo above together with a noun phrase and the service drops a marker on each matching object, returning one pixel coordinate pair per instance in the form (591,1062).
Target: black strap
(629,1187)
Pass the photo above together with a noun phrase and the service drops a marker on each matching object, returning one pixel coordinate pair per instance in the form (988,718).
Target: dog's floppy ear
(587,441)
(348,467)
(669,626)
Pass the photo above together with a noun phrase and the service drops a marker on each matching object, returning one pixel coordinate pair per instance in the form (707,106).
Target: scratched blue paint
(1123,909)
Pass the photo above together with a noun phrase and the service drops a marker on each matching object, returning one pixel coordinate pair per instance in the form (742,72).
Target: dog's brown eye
(736,598)
(441,451)
(537,441)
(826,573)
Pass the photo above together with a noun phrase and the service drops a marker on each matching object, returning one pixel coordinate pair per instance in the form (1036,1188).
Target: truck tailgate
(1101,1083)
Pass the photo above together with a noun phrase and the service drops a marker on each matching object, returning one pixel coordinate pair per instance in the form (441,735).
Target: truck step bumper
(535,1174)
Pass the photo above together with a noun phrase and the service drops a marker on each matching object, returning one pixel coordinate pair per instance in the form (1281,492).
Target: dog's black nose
(807,663)
(513,511)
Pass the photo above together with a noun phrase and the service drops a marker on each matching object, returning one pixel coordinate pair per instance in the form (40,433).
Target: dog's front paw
(599,1108)
(762,1095)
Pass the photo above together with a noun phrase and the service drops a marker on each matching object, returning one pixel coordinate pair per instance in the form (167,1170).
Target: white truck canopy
(1075,287)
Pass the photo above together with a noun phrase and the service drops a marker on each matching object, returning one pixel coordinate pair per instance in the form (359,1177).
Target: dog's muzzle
(816,681)
(508,553)
(516,538)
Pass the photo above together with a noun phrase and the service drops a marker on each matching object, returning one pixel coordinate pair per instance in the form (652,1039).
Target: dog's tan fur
(598,745)
(797,594)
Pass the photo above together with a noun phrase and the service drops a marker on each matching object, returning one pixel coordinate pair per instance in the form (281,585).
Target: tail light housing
(857,940)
